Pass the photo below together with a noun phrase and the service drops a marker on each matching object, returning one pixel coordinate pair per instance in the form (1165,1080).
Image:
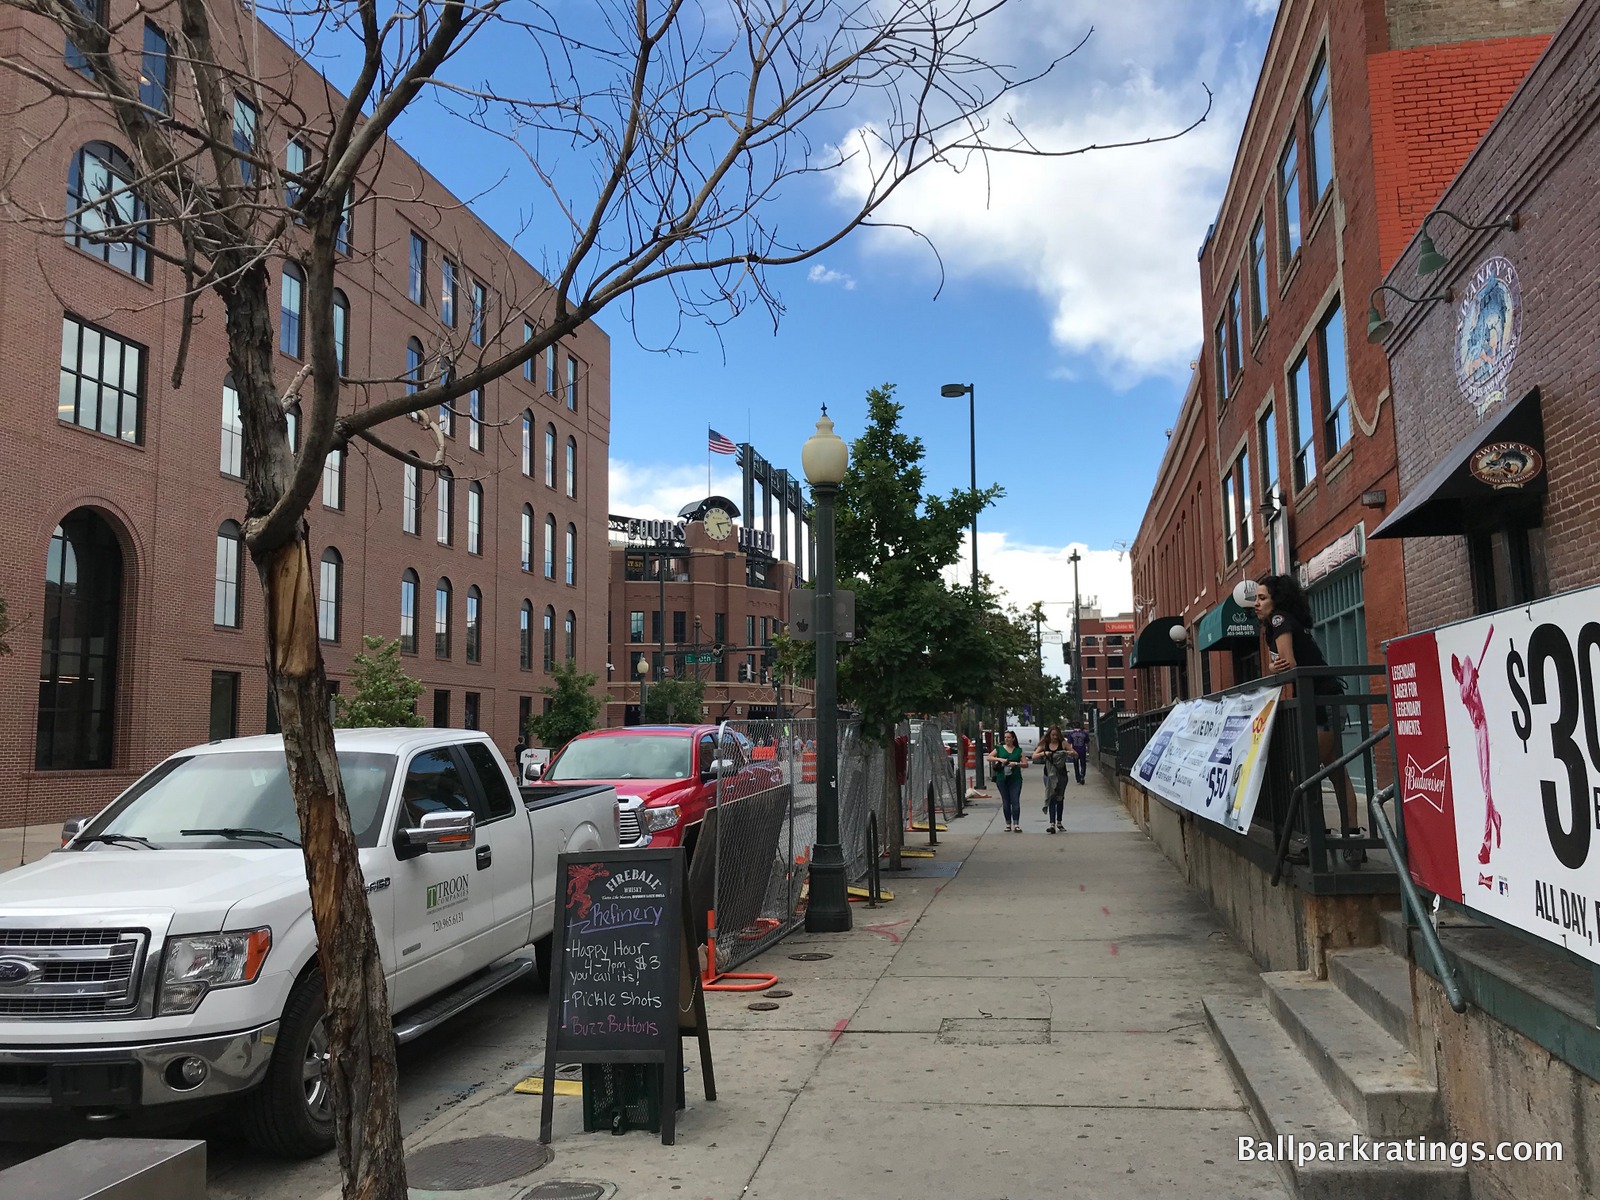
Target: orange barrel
(808,766)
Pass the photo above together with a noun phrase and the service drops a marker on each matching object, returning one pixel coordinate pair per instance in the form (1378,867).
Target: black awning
(1500,459)
(1154,646)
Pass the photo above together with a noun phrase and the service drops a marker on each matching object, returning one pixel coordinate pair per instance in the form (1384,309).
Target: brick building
(120,534)
(685,587)
(1499,355)
(1109,681)
(1283,458)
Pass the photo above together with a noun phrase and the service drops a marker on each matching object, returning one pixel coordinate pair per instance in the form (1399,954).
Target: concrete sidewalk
(1023,1020)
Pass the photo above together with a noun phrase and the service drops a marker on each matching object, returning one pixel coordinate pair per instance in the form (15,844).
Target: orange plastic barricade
(711,979)
(763,752)
(808,766)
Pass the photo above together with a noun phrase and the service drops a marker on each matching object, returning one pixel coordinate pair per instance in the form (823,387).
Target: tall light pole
(826,458)
(643,667)
(951,391)
(1077,638)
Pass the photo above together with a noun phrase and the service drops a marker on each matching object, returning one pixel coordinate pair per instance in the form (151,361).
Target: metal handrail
(1413,900)
(1298,796)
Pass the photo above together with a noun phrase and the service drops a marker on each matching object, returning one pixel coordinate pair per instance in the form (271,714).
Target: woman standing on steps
(1058,758)
(1007,760)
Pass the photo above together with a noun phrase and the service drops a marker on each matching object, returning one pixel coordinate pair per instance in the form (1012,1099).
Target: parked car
(665,776)
(164,959)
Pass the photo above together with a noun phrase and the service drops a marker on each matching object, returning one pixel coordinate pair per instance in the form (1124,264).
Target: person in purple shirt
(1078,739)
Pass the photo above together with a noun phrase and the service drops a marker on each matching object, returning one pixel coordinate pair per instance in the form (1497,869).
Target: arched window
(291,310)
(572,467)
(232,431)
(328,595)
(572,635)
(475,518)
(572,553)
(549,637)
(409,585)
(550,456)
(527,537)
(291,418)
(527,442)
(341,330)
(106,217)
(413,365)
(447,515)
(230,564)
(447,415)
(81,618)
(525,636)
(550,547)
(474,632)
(333,479)
(441,619)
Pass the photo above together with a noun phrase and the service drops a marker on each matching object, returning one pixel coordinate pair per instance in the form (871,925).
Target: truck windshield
(210,795)
(624,756)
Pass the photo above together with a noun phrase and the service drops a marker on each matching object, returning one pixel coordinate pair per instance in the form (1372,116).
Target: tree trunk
(361,1062)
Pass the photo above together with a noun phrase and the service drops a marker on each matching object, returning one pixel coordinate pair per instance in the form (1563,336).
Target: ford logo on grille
(17,971)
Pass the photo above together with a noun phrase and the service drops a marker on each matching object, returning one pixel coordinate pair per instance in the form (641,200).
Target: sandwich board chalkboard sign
(624,977)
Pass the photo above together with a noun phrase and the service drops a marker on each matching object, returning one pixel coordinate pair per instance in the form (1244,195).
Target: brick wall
(1430,105)
(166,496)
(1429,22)
(1540,160)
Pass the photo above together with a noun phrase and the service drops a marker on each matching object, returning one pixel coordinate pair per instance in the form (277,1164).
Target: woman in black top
(1285,616)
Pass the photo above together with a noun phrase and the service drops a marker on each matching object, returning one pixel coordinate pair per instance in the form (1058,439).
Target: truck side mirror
(71,829)
(442,832)
(719,766)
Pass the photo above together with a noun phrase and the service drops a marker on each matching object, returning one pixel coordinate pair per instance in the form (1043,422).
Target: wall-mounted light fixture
(1178,634)
(1379,327)
(1429,259)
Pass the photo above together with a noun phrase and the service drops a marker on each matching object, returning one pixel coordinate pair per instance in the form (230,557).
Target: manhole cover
(810,956)
(995,1031)
(560,1190)
(763,1006)
(474,1162)
(778,994)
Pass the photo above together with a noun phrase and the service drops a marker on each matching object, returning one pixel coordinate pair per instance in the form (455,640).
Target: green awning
(1227,622)
(1154,646)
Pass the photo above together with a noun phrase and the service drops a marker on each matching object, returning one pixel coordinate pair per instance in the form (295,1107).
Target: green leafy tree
(675,702)
(381,695)
(573,709)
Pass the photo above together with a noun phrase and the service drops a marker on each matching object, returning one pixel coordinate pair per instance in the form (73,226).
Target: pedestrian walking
(1056,753)
(1285,614)
(1079,740)
(1007,759)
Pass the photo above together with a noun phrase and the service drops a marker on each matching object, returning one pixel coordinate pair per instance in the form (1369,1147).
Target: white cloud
(657,492)
(1108,239)
(824,274)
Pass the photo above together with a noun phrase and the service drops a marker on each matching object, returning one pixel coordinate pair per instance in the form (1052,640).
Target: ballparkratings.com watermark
(1301,1151)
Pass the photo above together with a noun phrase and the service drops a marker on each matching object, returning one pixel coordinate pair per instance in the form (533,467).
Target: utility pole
(1077,638)
(1038,653)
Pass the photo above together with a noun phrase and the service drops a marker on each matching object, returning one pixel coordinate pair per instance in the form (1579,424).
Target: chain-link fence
(933,774)
(752,865)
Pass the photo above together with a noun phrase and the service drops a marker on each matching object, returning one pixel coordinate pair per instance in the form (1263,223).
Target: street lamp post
(951,391)
(825,458)
(643,667)
(1077,638)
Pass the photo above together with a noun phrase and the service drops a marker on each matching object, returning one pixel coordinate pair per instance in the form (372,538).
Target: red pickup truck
(665,776)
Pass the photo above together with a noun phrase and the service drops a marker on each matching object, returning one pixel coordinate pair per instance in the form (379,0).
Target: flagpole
(708,460)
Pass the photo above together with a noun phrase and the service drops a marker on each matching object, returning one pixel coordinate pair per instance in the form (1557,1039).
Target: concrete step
(1288,1101)
(1394,932)
(1376,1078)
(1379,981)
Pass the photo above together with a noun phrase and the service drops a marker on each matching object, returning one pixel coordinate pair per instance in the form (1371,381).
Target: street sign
(803,612)
(703,656)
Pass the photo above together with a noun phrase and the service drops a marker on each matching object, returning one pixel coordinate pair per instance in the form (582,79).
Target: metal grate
(560,1189)
(474,1162)
(629,829)
(76,972)
(13,938)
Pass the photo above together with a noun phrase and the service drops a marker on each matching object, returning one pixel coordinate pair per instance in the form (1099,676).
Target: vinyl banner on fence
(1209,756)
(1497,743)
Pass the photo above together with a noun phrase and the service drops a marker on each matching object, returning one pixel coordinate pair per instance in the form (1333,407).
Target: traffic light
(1066,652)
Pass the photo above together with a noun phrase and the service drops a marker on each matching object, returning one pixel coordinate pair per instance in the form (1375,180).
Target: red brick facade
(1109,680)
(1286,372)
(165,497)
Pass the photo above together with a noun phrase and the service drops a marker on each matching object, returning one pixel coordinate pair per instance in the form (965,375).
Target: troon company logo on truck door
(447,893)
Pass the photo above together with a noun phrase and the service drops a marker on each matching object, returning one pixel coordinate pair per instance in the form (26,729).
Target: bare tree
(663,132)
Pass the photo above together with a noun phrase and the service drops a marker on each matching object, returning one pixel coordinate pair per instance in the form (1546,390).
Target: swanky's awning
(1154,646)
(1227,622)
(1500,459)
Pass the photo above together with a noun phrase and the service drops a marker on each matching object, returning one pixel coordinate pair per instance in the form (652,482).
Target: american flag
(720,444)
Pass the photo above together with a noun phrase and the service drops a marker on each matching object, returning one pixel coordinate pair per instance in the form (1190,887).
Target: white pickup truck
(164,960)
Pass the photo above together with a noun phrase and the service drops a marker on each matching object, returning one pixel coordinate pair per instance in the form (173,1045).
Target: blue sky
(1069,294)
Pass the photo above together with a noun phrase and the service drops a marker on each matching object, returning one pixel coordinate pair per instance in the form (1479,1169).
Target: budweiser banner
(1497,742)
(1209,756)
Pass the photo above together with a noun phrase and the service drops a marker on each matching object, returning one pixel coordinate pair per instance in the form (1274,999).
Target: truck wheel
(541,960)
(291,1114)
